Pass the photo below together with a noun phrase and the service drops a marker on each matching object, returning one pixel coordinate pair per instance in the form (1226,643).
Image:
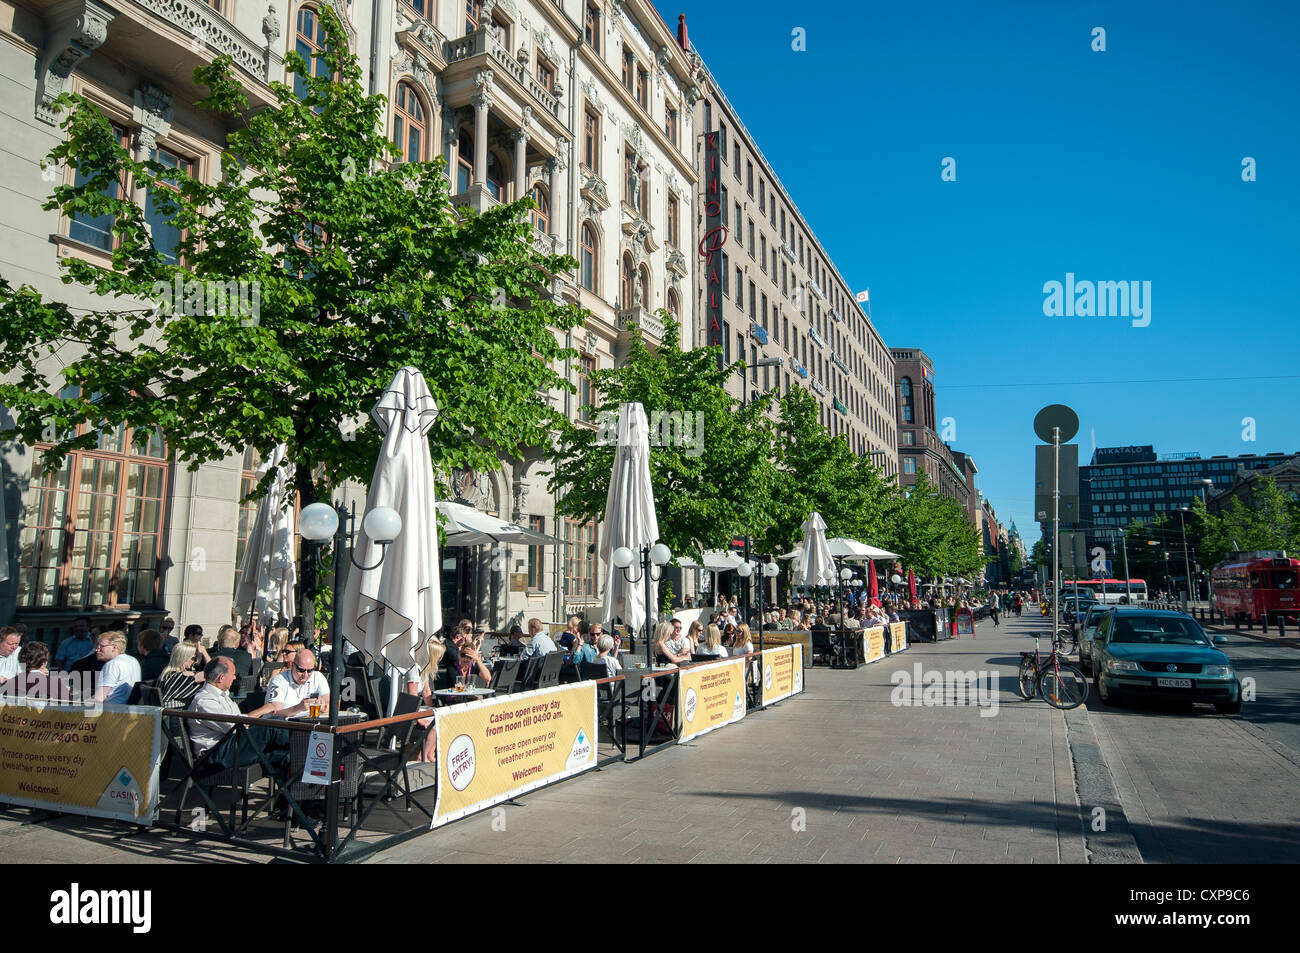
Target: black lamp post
(318,523)
(762,571)
(657,555)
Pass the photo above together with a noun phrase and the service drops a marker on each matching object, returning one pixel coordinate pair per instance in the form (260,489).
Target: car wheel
(1107,697)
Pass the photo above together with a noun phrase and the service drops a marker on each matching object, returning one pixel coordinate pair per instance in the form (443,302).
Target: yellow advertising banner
(100,761)
(782,673)
(709,696)
(873,644)
(898,636)
(492,750)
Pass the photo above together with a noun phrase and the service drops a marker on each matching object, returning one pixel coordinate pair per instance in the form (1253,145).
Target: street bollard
(1236,622)
(1281,627)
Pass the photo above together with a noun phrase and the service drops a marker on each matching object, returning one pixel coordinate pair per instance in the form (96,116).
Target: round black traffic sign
(1056,415)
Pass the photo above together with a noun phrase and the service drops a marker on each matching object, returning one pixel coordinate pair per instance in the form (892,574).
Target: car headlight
(1217,671)
(1121,665)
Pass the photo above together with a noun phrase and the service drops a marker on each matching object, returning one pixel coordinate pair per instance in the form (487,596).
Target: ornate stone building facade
(587,106)
(782,298)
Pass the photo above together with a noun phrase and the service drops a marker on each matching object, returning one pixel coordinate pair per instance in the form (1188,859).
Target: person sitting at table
(288,693)
(228,646)
(150,652)
(180,681)
(252,640)
(76,646)
(218,739)
(584,649)
(516,643)
(11,641)
(35,681)
(606,656)
(540,644)
(671,647)
(712,643)
(462,657)
(804,623)
(194,635)
(570,634)
(740,641)
(419,682)
(282,657)
(121,672)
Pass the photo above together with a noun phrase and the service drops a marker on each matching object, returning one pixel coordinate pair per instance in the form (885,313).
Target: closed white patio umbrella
(392,609)
(816,567)
(630,519)
(268,573)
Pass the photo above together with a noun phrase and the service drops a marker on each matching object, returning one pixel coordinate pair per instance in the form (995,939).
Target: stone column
(480,102)
(560,215)
(520,137)
(152,112)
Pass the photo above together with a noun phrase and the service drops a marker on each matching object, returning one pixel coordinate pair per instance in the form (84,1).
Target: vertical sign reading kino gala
(711,244)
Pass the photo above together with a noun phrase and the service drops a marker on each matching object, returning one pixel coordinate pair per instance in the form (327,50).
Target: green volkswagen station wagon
(1162,655)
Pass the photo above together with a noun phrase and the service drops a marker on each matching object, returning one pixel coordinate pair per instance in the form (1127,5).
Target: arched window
(309,38)
(905,399)
(410,128)
(587,259)
(496,178)
(643,285)
(625,286)
(540,216)
(464,161)
(673,308)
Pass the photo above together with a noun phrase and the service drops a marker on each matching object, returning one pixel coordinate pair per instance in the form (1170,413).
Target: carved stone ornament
(153,114)
(271,25)
(76,28)
(592,341)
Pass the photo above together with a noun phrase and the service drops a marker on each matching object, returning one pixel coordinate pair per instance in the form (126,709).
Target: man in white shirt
(121,672)
(288,692)
(540,644)
(10,641)
(230,748)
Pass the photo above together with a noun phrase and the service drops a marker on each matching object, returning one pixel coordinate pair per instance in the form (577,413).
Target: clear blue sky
(1116,165)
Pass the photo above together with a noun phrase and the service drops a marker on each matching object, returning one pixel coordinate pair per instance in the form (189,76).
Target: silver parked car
(1086,632)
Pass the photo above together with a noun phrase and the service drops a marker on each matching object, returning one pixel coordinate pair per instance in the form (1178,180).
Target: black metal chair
(208,776)
(505,675)
(359,679)
(389,755)
(247,684)
(149,695)
(549,674)
(530,673)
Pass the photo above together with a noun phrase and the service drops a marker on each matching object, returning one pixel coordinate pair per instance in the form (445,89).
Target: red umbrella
(911,583)
(873,587)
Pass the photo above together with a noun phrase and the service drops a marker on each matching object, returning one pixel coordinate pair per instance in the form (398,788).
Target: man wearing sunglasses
(289,691)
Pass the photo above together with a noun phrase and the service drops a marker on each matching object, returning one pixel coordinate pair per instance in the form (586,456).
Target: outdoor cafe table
(450,696)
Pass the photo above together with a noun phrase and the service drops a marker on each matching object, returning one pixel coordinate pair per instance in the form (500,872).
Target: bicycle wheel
(1028,679)
(1062,685)
(1066,641)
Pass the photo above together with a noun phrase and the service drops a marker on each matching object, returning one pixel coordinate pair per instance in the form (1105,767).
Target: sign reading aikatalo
(101,763)
(490,751)
(782,673)
(710,696)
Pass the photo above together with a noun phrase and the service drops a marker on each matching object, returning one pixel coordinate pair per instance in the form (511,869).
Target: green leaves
(710,459)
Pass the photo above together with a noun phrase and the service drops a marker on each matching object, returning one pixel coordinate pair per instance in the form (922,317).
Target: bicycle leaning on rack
(1059,682)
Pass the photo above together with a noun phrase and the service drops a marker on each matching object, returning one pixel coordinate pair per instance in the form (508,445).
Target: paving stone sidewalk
(838,774)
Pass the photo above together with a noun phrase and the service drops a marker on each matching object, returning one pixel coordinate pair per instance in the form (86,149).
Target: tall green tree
(1270,521)
(932,534)
(819,472)
(711,459)
(355,267)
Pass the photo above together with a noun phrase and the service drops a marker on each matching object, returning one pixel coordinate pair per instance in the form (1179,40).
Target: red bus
(1260,588)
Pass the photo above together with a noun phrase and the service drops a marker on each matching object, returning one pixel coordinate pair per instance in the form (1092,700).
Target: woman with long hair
(741,643)
(178,683)
(713,643)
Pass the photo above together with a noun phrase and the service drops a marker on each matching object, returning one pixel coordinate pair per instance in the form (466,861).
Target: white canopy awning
(715,560)
(467,526)
(849,550)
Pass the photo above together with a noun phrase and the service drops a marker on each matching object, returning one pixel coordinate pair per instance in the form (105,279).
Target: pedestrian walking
(994,605)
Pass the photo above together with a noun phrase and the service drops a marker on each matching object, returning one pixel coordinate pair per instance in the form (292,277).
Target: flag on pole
(864,295)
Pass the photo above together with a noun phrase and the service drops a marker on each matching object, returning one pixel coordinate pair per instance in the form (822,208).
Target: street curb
(1095,789)
(1266,639)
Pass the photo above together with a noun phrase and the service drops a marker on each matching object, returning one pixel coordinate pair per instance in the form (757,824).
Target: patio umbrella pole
(649,642)
(336,682)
